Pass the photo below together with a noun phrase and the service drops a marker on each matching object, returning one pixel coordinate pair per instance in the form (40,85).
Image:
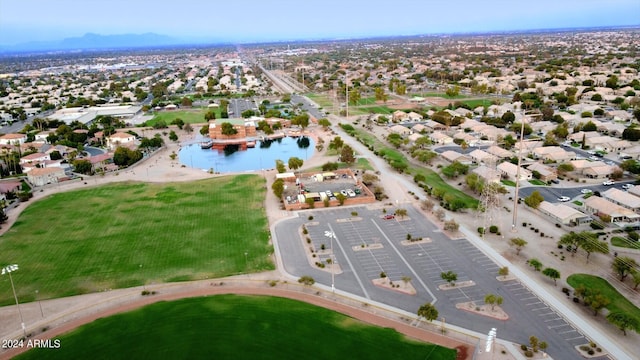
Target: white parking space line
(574,338)
(366,294)
(554,319)
(558,326)
(568,331)
(538,309)
(545,314)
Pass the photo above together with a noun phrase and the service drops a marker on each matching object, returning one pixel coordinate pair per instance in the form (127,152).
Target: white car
(586,191)
(564,198)
(343,192)
(627,186)
(608,183)
(351,193)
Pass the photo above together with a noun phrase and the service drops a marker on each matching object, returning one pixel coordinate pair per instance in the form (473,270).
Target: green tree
(210,115)
(552,273)
(336,143)
(204,130)
(278,188)
(574,240)
(82,166)
(623,265)
(503,271)
(173,136)
(452,91)
(346,155)
(295,163)
(125,157)
(280,166)
(623,321)
(179,122)
(597,302)
(449,277)
(535,263)
(534,199)
(341,198)
(635,277)
(518,243)
(592,244)
(490,299)
(228,129)
(306,280)
(188,128)
(401,213)
(428,311)
(325,123)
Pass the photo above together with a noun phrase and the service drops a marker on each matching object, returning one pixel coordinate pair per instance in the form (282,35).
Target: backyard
(130,234)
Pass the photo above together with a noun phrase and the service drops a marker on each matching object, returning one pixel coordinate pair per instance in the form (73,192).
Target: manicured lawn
(537,182)
(624,242)
(376,110)
(477,102)
(361,163)
(508,182)
(98,238)
(577,202)
(194,116)
(236,327)
(440,94)
(618,302)
(321,99)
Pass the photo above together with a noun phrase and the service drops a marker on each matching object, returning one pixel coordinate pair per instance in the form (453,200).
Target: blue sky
(264,20)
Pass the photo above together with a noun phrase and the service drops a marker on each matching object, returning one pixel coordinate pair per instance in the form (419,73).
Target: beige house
(601,206)
(440,138)
(487,174)
(510,171)
(118,139)
(451,156)
(43,176)
(399,129)
(623,199)
(482,157)
(547,173)
(553,153)
(13,139)
(499,152)
(563,214)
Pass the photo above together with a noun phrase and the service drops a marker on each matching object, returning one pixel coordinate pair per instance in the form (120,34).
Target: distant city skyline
(282,20)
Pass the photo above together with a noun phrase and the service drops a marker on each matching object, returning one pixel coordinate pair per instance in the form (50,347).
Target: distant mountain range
(92,41)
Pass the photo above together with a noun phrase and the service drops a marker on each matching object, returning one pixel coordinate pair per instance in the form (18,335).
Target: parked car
(627,186)
(586,191)
(351,193)
(608,183)
(555,181)
(389,217)
(343,192)
(564,198)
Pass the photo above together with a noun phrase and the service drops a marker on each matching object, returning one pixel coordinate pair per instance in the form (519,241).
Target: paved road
(566,188)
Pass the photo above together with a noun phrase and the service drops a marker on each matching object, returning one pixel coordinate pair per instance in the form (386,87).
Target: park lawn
(130,234)
(323,100)
(624,242)
(366,101)
(477,102)
(381,109)
(236,327)
(618,302)
(440,94)
(194,116)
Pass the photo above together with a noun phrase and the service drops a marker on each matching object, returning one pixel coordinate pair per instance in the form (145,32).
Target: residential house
(563,214)
(451,156)
(43,135)
(487,174)
(482,157)
(601,206)
(414,116)
(440,138)
(399,116)
(466,137)
(510,171)
(44,176)
(13,139)
(399,129)
(499,152)
(623,199)
(545,172)
(419,128)
(553,154)
(119,139)
(414,137)
(102,162)
(7,186)
(34,158)
(432,126)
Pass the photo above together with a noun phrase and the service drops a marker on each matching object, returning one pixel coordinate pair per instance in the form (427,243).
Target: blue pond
(262,156)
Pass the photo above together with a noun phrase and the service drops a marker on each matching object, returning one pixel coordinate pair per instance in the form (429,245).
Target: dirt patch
(461,284)
(367,247)
(424,240)
(399,286)
(495,312)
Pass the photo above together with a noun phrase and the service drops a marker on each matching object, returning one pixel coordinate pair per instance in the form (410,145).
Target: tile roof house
(601,206)
(563,214)
(546,173)
(13,139)
(482,157)
(499,152)
(118,139)
(487,174)
(451,156)
(44,176)
(553,153)
(399,129)
(622,198)
(440,138)
(510,171)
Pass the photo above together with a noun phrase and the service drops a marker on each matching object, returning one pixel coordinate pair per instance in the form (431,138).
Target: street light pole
(331,235)
(8,270)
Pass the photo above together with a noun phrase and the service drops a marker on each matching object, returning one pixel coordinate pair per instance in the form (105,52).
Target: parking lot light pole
(331,235)
(8,270)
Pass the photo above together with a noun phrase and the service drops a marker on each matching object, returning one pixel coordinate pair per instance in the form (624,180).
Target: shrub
(306,280)
(524,347)
(493,229)
(591,352)
(310,217)
(528,353)
(480,230)
(304,230)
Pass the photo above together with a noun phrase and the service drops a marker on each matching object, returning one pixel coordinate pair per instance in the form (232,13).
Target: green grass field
(236,327)
(194,116)
(618,302)
(323,100)
(624,242)
(95,239)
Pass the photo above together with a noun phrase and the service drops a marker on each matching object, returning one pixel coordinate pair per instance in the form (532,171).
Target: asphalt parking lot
(365,244)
